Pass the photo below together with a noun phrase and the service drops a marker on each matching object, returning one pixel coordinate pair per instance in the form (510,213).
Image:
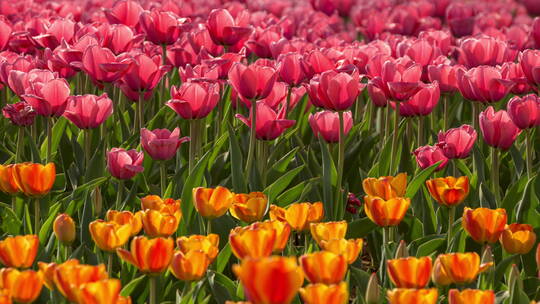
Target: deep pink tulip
(88,111)
(269,124)
(200,72)
(226,30)
(377,95)
(124,164)
(457,142)
(161,144)
(483,84)
(253,81)
(5,32)
(102,65)
(524,111)
(290,69)
(420,51)
(125,12)
(20,113)
(535,32)
(144,73)
(317,62)
(60,30)
(445,75)
(484,50)
(194,100)
(45,93)
(460,18)
(225,62)
(119,38)
(335,91)
(513,72)
(326,124)
(200,39)
(422,103)
(498,129)
(530,64)
(161,27)
(427,156)
(260,41)
(181,54)
(400,79)
(533,6)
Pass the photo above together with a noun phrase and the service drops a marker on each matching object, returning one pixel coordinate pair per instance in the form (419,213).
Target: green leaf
(223,258)
(57,132)
(46,227)
(430,247)
(11,223)
(194,180)
(282,164)
(281,183)
(290,195)
(222,287)
(237,162)
(523,207)
(360,228)
(502,266)
(419,180)
(131,286)
(328,169)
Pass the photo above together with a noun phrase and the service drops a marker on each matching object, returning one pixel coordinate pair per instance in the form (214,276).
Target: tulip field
(270,151)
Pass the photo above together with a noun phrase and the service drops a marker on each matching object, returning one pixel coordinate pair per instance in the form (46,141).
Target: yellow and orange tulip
(109,235)
(34,180)
(412,296)
(409,272)
(167,205)
(7,181)
(250,207)
(208,244)
(212,202)
(149,255)
(190,266)
(324,267)
(64,228)
(47,271)
(471,296)
(253,242)
(158,224)
(5,298)
(325,294)
(19,251)
(449,191)
(126,217)
(518,238)
(328,231)
(350,249)
(386,212)
(283,231)
(101,292)
(70,276)
(484,225)
(386,187)
(299,215)
(277,213)
(23,286)
(457,268)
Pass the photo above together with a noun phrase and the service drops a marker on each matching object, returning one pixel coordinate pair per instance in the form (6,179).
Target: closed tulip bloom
(498,130)
(350,249)
(326,124)
(23,286)
(457,268)
(88,111)
(126,218)
(7,180)
(124,164)
(471,296)
(325,294)
(190,266)
(208,244)
(69,277)
(109,235)
(226,30)
(253,242)
(194,100)
(212,202)
(483,224)
(422,103)
(161,144)
(484,50)
(124,12)
(64,228)
(161,27)
(449,191)
(324,267)
(151,256)
(250,207)
(158,224)
(524,111)
(328,230)
(271,280)
(34,180)
(386,212)
(299,215)
(252,82)
(20,113)
(338,91)
(410,272)
(457,142)
(518,238)
(386,187)
(483,84)
(103,291)
(289,67)
(530,64)
(427,156)
(412,296)
(19,251)
(269,125)
(283,231)
(445,75)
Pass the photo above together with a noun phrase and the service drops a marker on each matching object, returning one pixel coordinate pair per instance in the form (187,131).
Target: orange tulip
(23,286)
(249,207)
(158,224)
(518,238)
(212,202)
(350,249)
(7,181)
(386,187)
(471,296)
(409,272)
(149,255)
(190,266)
(167,205)
(283,231)
(449,191)
(100,292)
(458,268)
(47,271)
(34,180)
(70,276)
(412,296)
(5,298)
(126,217)
(252,242)
(277,213)
(109,235)
(207,244)
(299,215)
(325,294)
(324,267)
(386,212)
(19,251)
(328,230)
(271,280)
(483,224)
(64,228)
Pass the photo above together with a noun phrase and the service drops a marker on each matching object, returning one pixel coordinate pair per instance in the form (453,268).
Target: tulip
(5,33)
(102,66)
(69,277)
(124,164)
(445,75)
(208,244)
(5,297)
(299,215)
(350,249)
(400,79)
(377,95)
(483,84)
(20,113)
(48,97)
(538,258)
(104,291)
(212,202)
(261,279)
(194,100)
(317,62)
(120,38)
(158,224)
(373,290)
(337,91)
(249,207)
(471,296)
(252,82)
(498,130)
(124,12)
(190,266)
(483,224)
(325,294)
(457,268)
(34,180)
(224,29)
(409,272)
(461,19)
(530,63)
(47,272)
(64,228)
(386,212)
(88,111)
(23,286)
(457,142)
(524,111)
(386,187)
(143,74)
(328,230)
(518,238)
(449,191)
(109,235)
(412,296)
(514,72)
(422,103)
(253,242)
(7,180)
(324,267)
(126,218)
(484,50)
(289,67)
(161,27)
(269,124)
(161,144)
(149,255)
(326,124)
(19,251)
(283,231)
(427,156)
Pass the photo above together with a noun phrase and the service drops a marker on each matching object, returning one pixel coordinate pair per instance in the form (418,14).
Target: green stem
(262,152)
(37,216)
(14,203)
(140,110)
(110,260)
(20,145)
(209,227)
(87,147)
(49,138)
(252,139)
(341,161)
(153,285)
(163,175)
(194,140)
(529,152)
(288,104)
(421,131)
(451,218)
(119,194)
(387,123)
(495,174)
(395,138)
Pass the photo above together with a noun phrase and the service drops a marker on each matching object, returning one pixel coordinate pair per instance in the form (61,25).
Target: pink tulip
(143,74)
(125,12)
(225,30)
(326,124)
(535,32)
(422,103)
(335,91)
(260,42)
(317,62)
(484,50)
(483,84)
(400,79)
(513,72)
(181,54)
(124,164)
(269,124)
(5,32)
(225,62)
(253,81)
(460,18)
(498,129)
(200,39)
(377,95)
(445,75)
(457,142)
(88,111)
(102,65)
(20,113)
(161,144)
(427,156)
(530,64)
(524,111)
(162,28)
(46,94)
(289,67)
(533,6)
(194,100)
(420,51)
(119,38)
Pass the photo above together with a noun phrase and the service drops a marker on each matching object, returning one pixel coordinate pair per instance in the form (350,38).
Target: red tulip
(290,69)
(161,27)
(20,113)
(484,84)
(427,156)
(420,51)
(524,111)
(253,81)
(47,95)
(498,129)
(88,111)
(335,91)
(194,100)
(530,63)
(422,103)
(225,62)
(200,39)
(269,124)
(124,164)
(326,124)
(457,142)
(484,50)
(102,65)
(59,30)
(124,12)
(161,144)
(377,95)
(316,62)
(224,29)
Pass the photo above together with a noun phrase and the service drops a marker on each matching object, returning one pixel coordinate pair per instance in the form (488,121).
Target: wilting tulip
(498,130)
(158,224)
(386,187)
(483,84)
(457,142)
(326,124)
(252,82)
(7,181)
(412,296)
(530,64)
(457,268)
(252,242)
(427,156)
(410,272)
(20,113)
(299,215)
(124,164)
(23,286)
(269,124)
(208,244)
(149,255)
(262,277)
(350,249)
(324,267)
(524,111)
(88,111)
(328,230)
(483,224)
(34,180)
(19,251)
(194,100)
(449,191)
(126,218)
(109,235)
(190,266)
(518,238)
(224,29)
(64,228)
(161,27)
(386,212)
(161,144)
(70,276)
(212,202)
(104,291)
(471,296)
(325,294)
(283,231)
(250,207)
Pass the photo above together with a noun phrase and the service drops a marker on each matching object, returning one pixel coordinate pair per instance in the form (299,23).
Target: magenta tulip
(20,113)
(143,74)
(290,69)
(484,50)
(524,111)
(161,144)
(124,164)
(498,130)
(427,156)
(162,28)
(119,38)
(102,65)
(335,91)
(88,111)
(400,79)
(483,84)
(326,124)
(457,142)
(194,100)
(445,75)
(47,95)
(269,124)
(420,51)
(252,82)
(225,30)
(513,72)
(124,12)
(460,18)
(422,103)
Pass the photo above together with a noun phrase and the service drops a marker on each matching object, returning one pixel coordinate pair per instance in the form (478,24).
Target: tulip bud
(97,200)
(373,293)
(402,251)
(64,228)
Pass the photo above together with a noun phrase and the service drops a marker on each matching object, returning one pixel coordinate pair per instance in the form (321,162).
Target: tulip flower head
(167,205)
(327,294)
(471,296)
(194,100)
(20,113)
(23,286)
(412,296)
(88,111)
(208,244)
(151,256)
(386,187)
(70,277)
(449,191)
(109,235)
(324,267)
(103,291)
(226,30)
(252,241)
(19,251)
(252,82)
(457,142)
(124,164)
(484,225)
(161,144)
(386,212)
(64,228)
(483,84)
(328,230)
(34,180)
(350,249)
(190,266)
(7,180)
(298,215)
(158,224)
(524,111)
(283,231)
(428,156)
(410,272)
(326,125)
(498,130)
(457,268)
(212,202)
(269,125)
(518,238)
(250,207)
(126,218)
